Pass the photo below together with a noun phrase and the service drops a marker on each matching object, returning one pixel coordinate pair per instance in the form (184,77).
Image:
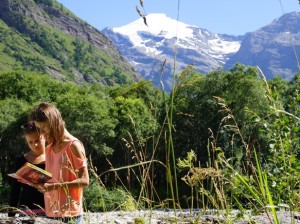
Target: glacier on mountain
(185,36)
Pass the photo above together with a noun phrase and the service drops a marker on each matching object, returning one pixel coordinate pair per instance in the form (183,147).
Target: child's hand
(41,187)
(45,187)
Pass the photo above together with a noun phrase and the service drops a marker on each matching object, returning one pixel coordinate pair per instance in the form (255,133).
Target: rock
(163,217)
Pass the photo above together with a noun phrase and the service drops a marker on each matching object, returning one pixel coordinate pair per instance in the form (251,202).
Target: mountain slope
(146,47)
(275,48)
(43,36)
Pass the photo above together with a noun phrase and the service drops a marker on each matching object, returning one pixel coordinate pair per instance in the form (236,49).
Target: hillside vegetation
(44,37)
(203,146)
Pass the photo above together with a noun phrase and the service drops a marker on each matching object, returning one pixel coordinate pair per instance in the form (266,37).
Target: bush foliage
(134,134)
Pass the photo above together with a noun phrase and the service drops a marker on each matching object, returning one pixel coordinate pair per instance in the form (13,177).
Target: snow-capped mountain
(273,48)
(146,47)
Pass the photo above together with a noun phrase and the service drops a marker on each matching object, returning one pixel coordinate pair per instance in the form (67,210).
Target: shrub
(99,198)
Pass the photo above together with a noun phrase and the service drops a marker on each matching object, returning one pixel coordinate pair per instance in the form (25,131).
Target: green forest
(223,140)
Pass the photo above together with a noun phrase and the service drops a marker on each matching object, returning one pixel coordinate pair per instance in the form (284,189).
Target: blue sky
(220,16)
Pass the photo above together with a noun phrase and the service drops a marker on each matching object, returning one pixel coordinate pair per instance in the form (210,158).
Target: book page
(31,174)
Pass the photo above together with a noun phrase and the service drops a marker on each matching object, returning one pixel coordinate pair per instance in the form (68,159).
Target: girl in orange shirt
(66,160)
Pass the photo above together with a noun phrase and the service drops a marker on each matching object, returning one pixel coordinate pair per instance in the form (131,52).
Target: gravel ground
(162,217)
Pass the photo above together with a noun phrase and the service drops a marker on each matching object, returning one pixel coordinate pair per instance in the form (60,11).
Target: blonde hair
(46,112)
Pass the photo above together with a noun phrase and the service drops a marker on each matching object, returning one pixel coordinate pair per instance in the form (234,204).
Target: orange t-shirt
(64,165)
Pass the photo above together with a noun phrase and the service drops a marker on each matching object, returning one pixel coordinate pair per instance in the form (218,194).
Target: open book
(31,174)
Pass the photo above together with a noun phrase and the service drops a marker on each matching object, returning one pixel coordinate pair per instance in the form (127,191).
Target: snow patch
(187,36)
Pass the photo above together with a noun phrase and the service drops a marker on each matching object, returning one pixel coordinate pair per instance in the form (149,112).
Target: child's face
(36,142)
(44,130)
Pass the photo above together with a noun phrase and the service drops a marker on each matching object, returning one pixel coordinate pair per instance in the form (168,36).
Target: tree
(13,113)
(31,87)
(198,115)
(78,52)
(89,119)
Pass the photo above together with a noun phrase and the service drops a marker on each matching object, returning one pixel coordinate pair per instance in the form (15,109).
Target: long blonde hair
(46,112)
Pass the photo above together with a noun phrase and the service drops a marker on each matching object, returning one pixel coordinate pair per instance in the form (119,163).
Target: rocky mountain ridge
(147,47)
(272,47)
(275,48)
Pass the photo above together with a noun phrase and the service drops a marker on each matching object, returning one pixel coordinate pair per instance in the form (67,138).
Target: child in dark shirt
(25,199)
